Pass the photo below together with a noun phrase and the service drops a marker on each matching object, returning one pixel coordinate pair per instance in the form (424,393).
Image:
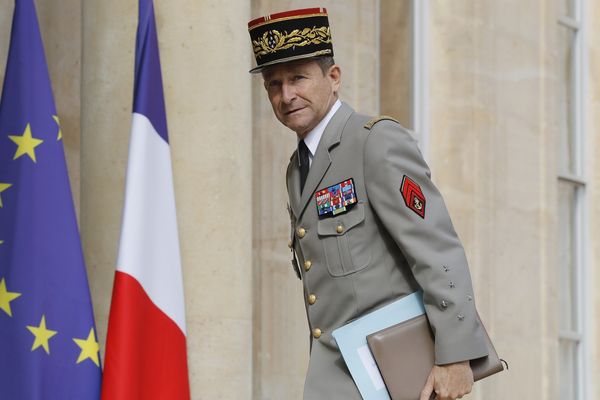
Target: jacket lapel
(322,160)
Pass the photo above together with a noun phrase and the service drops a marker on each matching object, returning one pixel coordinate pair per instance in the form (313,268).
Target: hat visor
(320,53)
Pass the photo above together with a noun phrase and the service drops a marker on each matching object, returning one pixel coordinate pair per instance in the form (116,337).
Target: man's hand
(449,382)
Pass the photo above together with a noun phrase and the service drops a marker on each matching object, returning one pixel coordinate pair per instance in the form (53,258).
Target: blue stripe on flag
(148,92)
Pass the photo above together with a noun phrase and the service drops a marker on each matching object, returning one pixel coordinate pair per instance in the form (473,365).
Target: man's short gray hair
(325,63)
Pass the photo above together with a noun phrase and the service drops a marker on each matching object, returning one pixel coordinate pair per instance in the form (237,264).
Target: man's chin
(296,127)
(299,131)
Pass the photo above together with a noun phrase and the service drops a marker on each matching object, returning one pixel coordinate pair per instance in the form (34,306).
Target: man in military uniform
(367,224)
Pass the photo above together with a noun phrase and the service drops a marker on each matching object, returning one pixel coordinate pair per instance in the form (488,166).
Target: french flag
(146,342)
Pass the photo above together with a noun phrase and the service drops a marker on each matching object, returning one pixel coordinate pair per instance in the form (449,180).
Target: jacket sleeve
(423,231)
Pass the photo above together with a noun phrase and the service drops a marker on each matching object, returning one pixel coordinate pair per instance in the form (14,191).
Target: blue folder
(352,341)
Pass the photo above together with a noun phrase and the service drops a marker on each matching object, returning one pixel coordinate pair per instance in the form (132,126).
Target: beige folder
(405,355)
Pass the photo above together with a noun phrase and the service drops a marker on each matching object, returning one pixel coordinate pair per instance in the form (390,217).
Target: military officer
(367,224)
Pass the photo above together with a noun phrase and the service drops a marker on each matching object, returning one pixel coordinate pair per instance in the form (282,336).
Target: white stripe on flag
(149,245)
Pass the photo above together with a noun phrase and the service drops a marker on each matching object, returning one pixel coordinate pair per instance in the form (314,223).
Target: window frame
(578,183)
(420,74)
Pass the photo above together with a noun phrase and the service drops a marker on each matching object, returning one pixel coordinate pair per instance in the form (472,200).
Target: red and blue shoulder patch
(413,196)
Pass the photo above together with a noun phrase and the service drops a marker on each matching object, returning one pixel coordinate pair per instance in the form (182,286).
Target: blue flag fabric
(48,345)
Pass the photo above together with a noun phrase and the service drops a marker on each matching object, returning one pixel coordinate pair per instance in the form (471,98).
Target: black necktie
(304,163)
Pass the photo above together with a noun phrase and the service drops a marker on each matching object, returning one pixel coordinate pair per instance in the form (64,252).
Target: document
(352,341)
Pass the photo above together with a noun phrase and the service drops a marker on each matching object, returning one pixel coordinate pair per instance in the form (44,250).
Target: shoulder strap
(375,120)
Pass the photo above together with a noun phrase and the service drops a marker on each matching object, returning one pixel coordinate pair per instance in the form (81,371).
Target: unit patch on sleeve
(413,196)
(336,199)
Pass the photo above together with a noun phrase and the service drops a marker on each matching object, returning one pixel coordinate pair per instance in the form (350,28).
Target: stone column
(493,154)
(205,57)
(281,332)
(6,8)
(396,60)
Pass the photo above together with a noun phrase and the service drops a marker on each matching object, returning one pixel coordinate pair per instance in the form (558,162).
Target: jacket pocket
(346,250)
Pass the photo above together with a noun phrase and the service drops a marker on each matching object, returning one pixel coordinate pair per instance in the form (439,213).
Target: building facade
(504,98)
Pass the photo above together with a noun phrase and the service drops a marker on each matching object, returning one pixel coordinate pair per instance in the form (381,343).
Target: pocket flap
(347,221)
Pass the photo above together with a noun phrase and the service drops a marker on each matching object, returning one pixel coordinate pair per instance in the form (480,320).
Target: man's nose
(288,93)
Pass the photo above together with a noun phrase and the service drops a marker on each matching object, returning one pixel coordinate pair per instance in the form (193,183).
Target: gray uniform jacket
(381,249)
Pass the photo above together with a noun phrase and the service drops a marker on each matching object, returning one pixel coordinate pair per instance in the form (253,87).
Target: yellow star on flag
(89,348)
(26,144)
(6,297)
(3,187)
(59,130)
(42,335)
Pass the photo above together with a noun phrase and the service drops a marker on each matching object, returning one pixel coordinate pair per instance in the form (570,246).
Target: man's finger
(427,392)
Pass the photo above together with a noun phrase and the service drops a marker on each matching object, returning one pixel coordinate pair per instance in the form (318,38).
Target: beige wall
(208,111)
(493,141)
(396,60)
(105,91)
(494,89)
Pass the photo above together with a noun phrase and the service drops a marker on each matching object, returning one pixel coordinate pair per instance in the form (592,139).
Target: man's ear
(335,75)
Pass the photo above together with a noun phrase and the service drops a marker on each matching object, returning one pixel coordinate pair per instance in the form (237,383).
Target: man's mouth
(293,111)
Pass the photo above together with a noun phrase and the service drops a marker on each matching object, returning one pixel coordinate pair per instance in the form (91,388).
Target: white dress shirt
(314,137)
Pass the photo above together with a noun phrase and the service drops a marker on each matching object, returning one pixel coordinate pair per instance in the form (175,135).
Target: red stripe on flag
(145,350)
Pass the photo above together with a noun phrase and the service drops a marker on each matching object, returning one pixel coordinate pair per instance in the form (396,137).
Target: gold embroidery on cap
(273,40)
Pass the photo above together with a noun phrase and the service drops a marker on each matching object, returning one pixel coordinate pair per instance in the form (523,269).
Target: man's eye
(298,77)
(273,84)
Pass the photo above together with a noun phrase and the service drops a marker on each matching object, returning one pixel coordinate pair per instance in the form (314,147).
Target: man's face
(301,94)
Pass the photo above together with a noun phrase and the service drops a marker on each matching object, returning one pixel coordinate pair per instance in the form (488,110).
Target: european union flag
(48,345)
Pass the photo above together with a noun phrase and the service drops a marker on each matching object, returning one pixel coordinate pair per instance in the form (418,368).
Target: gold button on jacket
(301,232)
(307,265)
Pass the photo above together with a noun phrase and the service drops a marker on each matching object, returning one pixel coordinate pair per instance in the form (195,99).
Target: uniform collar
(314,136)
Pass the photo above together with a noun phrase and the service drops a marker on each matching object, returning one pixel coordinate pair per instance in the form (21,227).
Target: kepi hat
(290,36)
